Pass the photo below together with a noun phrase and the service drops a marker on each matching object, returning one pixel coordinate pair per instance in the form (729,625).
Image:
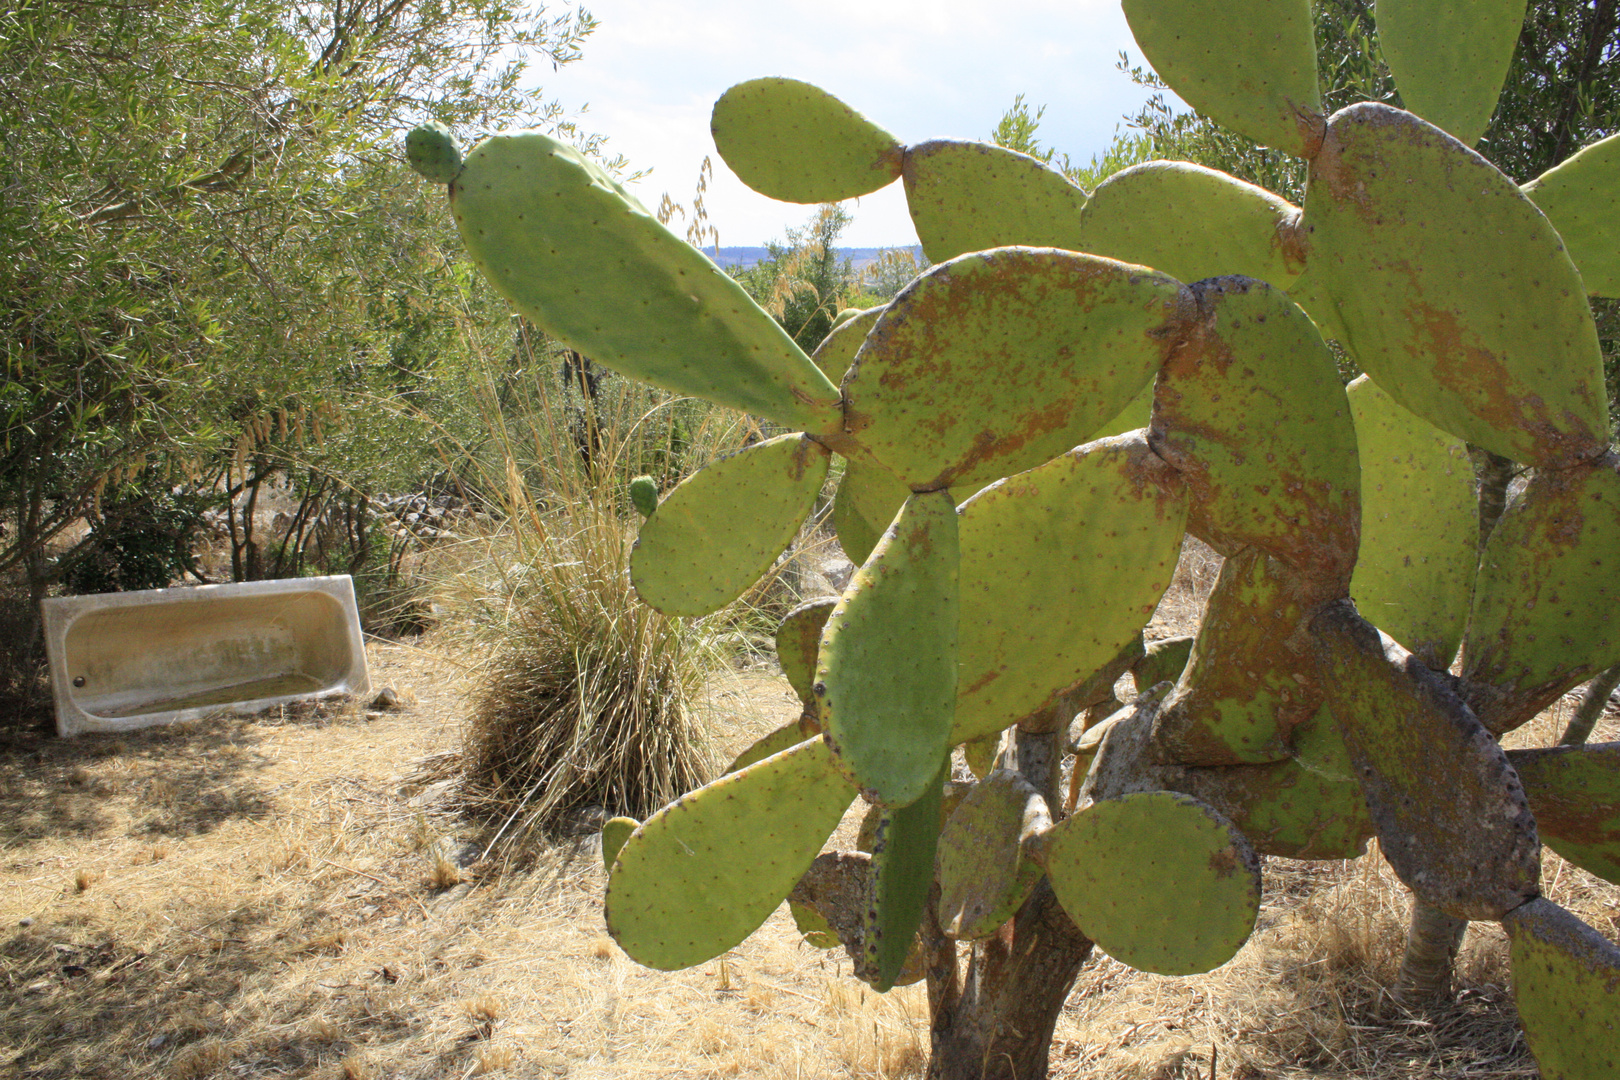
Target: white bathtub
(129,660)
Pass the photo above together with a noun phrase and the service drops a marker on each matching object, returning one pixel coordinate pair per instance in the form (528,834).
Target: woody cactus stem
(1432,942)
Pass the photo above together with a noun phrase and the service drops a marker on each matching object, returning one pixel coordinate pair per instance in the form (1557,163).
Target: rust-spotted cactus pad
(798,638)
(1250,64)
(700,875)
(983,873)
(994,362)
(723,526)
(1191,223)
(1581,197)
(1061,566)
(1181,903)
(581,258)
(1251,676)
(1574,792)
(886,679)
(795,142)
(1414,577)
(971,196)
(1451,814)
(1252,411)
(1456,294)
(1566,983)
(837,350)
(1547,603)
(1449,59)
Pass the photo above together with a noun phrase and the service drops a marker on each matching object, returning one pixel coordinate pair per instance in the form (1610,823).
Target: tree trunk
(1432,942)
(1591,707)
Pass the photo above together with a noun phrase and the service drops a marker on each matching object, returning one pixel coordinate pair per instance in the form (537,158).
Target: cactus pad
(773,742)
(815,929)
(701,874)
(797,143)
(1414,577)
(579,256)
(1578,196)
(615,831)
(432,152)
(1192,223)
(1449,59)
(984,875)
(798,639)
(1566,983)
(1456,293)
(856,535)
(1133,417)
(971,196)
(1549,586)
(1046,345)
(1061,566)
(903,849)
(837,350)
(1181,905)
(1162,660)
(644,495)
(724,525)
(886,680)
(1574,792)
(1249,64)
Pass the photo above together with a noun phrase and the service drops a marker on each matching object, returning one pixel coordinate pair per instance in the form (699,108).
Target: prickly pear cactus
(1008,566)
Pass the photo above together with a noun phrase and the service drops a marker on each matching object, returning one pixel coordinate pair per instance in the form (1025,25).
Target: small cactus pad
(1449,59)
(797,143)
(644,495)
(1252,411)
(1451,815)
(1182,904)
(856,535)
(1574,792)
(1414,576)
(615,831)
(837,350)
(1061,566)
(1578,197)
(815,929)
(886,680)
(798,640)
(578,255)
(971,196)
(1566,984)
(1547,603)
(980,754)
(1192,223)
(983,873)
(996,361)
(1251,677)
(903,849)
(1249,64)
(432,152)
(774,742)
(701,874)
(1133,417)
(1456,293)
(724,525)
(1308,808)
(1160,661)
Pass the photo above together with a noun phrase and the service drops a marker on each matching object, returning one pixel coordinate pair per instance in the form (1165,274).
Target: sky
(920,68)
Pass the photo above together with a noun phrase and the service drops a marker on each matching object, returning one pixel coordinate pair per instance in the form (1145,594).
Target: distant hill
(862,257)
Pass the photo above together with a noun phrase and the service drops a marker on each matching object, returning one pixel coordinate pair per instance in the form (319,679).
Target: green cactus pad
(903,849)
(1566,984)
(579,256)
(798,639)
(1414,577)
(1183,904)
(1160,661)
(1249,64)
(1046,345)
(837,350)
(1546,602)
(1449,59)
(1133,417)
(774,742)
(855,534)
(1578,196)
(701,874)
(724,525)
(1574,792)
(1061,566)
(971,196)
(817,932)
(615,831)
(1455,293)
(1192,223)
(432,152)
(795,142)
(1451,815)
(983,873)
(886,680)
(644,496)
(980,754)
(1251,676)
(1252,411)
(1307,808)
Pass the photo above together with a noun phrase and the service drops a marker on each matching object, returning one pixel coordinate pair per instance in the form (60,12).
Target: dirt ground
(295,895)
